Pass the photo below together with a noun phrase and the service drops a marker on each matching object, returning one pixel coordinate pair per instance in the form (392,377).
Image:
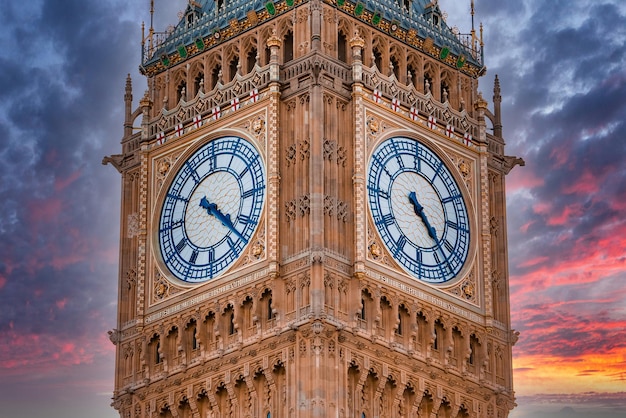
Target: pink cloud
(586,184)
(44,353)
(60,184)
(522,180)
(560,155)
(564,217)
(44,210)
(61,303)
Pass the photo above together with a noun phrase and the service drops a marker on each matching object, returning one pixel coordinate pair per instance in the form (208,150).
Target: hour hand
(419,211)
(212,210)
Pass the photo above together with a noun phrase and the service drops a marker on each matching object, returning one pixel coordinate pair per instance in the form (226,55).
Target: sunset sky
(562,70)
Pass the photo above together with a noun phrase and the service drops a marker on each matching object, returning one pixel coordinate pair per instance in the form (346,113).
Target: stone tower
(313,218)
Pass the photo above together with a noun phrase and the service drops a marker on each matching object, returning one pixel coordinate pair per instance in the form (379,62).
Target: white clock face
(418,209)
(211,209)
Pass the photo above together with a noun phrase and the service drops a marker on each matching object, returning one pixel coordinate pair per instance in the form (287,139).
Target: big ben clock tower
(313,217)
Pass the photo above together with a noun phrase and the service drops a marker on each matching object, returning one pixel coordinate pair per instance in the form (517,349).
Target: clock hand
(212,210)
(419,211)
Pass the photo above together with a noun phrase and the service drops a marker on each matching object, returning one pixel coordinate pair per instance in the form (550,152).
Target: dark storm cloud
(570,111)
(62,83)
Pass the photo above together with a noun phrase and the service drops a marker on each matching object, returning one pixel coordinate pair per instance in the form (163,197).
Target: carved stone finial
(145,101)
(274,40)
(356,40)
(129,88)
(480,102)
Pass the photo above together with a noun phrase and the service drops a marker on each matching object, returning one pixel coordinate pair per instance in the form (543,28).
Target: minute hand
(419,211)
(212,210)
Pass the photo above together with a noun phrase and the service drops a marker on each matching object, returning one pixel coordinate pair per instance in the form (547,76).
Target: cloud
(62,84)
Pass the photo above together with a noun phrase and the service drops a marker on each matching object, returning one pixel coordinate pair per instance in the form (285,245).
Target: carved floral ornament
(300,150)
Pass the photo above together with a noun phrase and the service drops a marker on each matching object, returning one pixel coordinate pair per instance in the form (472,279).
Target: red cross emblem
(179,129)
(197,121)
(216,113)
(377,96)
(160,138)
(449,131)
(234,104)
(413,113)
(467,139)
(432,122)
(395,104)
(254,95)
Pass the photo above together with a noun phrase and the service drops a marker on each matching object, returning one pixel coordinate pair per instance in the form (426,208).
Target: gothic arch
(196,73)
(179,84)
(249,51)
(448,81)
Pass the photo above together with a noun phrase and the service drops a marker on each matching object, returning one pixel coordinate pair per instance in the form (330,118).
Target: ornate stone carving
(304,205)
(163,166)
(335,207)
(132,223)
(335,152)
(301,148)
(304,149)
(162,288)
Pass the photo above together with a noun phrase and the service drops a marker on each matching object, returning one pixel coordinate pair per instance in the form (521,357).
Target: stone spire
(497,100)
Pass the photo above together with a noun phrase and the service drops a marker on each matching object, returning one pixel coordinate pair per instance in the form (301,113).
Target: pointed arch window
(270,311)
(231,328)
(215,75)
(251,60)
(198,83)
(378,59)
(288,47)
(194,338)
(233,67)
(342,47)
(181,91)
(157,353)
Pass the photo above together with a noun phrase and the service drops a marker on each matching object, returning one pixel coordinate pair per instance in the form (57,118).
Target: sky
(562,70)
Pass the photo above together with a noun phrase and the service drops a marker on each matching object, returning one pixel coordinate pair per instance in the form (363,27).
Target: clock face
(211,209)
(418,209)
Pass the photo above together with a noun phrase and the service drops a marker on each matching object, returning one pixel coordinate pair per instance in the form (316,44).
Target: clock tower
(313,217)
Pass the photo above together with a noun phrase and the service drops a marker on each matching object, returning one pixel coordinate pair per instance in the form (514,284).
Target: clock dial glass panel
(212,208)
(418,209)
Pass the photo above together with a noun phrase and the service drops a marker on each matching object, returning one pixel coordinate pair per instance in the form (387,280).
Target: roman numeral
(176,197)
(400,161)
(193,173)
(250,192)
(439,167)
(181,244)
(400,244)
(194,256)
(172,225)
(231,244)
(383,194)
(386,219)
(451,198)
(448,246)
(456,226)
